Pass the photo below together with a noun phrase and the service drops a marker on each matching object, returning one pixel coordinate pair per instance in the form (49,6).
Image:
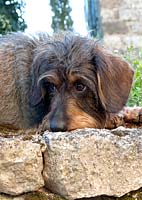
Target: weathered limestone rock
(92,162)
(21,166)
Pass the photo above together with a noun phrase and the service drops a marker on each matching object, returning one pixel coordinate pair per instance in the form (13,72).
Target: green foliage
(135,59)
(11,16)
(5,25)
(61,19)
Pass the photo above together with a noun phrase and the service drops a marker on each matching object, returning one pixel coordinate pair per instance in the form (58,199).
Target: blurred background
(117,23)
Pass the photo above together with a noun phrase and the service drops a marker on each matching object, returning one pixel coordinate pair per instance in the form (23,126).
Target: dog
(64,82)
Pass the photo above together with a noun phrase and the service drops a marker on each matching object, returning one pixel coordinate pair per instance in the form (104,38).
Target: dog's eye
(80,87)
(51,88)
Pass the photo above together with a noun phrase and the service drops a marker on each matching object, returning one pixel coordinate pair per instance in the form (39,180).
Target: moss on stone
(125,198)
(42,195)
(134,195)
(36,196)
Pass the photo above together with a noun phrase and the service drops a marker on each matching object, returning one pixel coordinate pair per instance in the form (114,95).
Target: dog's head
(78,83)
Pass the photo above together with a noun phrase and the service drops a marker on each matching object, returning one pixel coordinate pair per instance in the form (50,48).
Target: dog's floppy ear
(115,78)
(35,93)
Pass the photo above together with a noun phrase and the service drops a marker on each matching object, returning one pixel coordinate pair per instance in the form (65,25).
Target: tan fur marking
(78,118)
(100,90)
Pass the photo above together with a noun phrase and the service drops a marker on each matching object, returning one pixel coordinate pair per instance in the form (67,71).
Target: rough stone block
(111,4)
(115,27)
(21,166)
(92,162)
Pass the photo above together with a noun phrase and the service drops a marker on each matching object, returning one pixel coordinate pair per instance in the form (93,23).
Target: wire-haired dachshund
(64,82)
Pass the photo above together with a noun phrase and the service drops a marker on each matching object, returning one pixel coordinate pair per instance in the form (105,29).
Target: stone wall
(78,164)
(101,164)
(122,23)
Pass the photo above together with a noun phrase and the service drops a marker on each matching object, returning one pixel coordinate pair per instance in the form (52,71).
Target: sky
(38,16)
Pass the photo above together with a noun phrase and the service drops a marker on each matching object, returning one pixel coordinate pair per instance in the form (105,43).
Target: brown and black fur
(66,81)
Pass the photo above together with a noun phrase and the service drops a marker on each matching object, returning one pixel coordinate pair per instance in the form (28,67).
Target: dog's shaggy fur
(68,80)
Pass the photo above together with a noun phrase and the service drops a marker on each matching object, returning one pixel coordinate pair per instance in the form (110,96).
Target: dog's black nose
(57,126)
(58,121)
